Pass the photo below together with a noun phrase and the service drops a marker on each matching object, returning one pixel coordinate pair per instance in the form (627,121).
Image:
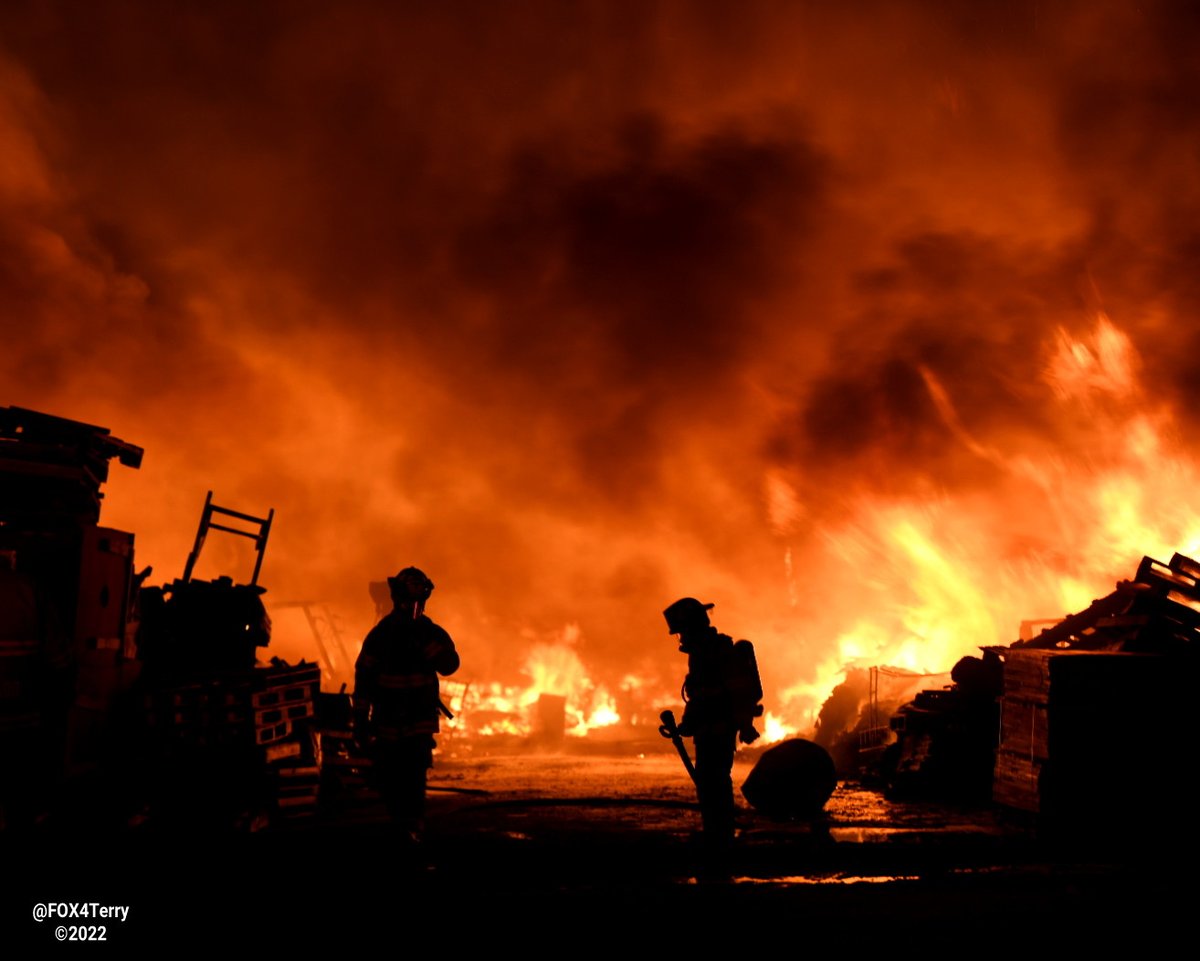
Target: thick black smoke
(587,307)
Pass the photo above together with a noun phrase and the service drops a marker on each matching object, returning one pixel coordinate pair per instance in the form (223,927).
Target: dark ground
(558,854)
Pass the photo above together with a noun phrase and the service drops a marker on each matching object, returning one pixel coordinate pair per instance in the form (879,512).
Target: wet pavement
(604,849)
(557,799)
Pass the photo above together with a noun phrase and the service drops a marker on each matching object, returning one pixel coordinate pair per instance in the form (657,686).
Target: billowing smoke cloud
(586,307)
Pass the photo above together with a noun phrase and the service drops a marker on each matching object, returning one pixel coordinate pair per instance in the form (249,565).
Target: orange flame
(940,577)
(554,668)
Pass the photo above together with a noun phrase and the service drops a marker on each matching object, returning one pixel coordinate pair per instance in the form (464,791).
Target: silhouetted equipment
(233,739)
(455,692)
(154,694)
(792,780)
(67,605)
(745,688)
(669,729)
(259,536)
(193,628)
(53,468)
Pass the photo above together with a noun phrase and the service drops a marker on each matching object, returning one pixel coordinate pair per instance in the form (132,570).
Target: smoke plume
(586,307)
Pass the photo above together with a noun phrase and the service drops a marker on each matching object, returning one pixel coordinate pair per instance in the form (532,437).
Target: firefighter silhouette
(396,704)
(722,692)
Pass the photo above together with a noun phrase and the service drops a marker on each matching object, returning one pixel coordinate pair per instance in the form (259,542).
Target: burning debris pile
(1096,711)
(946,736)
(560,703)
(1158,612)
(854,722)
(1075,723)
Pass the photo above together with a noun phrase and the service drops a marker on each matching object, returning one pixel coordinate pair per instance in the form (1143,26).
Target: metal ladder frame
(206,524)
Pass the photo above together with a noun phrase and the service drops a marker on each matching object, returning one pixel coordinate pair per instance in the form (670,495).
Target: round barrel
(793,779)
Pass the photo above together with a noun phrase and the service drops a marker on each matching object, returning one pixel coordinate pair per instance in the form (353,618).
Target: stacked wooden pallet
(252,729)
(296,779)
(1090,731)
(284,705)
(210,713)
(284,698)
(1093,711)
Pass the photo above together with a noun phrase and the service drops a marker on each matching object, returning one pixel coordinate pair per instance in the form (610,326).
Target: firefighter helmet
(687,614)
(411,584)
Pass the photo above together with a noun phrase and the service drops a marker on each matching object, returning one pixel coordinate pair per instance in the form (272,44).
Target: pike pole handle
(669,729)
